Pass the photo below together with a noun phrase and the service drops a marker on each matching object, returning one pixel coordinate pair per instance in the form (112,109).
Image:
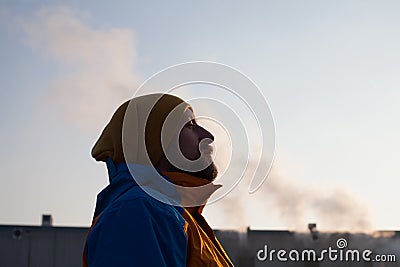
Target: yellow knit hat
(134,131)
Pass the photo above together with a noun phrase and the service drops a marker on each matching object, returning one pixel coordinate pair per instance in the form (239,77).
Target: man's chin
(210,173)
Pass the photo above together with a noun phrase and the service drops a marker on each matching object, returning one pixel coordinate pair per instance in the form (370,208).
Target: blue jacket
(132,228)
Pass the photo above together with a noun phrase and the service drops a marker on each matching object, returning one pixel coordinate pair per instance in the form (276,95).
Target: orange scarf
(203,246)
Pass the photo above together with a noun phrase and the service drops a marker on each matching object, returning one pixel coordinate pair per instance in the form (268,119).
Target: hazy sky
(329,70)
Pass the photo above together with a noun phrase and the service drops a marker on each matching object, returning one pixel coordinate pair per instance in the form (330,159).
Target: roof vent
(47,220)
(313,230)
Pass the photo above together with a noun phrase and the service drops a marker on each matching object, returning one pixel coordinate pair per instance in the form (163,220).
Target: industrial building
(50,246)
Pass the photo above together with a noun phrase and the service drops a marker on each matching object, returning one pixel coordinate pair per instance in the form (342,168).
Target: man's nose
(205,134)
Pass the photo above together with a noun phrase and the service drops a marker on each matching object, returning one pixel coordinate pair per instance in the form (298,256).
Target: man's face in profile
(194,143)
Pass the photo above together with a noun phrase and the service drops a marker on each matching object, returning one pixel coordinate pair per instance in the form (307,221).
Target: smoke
(95,67)
(331,208)
(291,204)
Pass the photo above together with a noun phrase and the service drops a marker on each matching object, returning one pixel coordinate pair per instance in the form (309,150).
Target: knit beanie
(133,134)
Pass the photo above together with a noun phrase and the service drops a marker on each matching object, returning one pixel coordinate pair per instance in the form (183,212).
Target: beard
(209,173)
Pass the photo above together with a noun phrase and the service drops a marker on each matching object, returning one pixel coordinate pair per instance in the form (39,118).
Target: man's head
(134,135)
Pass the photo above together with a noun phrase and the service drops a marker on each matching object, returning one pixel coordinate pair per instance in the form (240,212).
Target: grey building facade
(49,246)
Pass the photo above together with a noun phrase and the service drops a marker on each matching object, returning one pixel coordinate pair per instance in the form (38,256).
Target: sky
(328,69)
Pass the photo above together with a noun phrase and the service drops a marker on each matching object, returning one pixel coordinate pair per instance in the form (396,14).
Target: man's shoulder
(138,201)
(131,226)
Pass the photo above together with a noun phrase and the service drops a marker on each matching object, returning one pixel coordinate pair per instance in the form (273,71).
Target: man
(150,213)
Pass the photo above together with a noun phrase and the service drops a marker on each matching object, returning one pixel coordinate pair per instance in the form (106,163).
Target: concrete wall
(46,246)
(243,247)
(27,246)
